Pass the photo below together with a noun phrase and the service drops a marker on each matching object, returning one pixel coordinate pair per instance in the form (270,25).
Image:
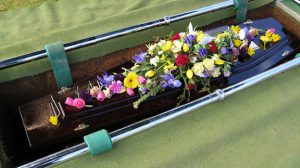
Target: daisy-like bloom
(198,69)
(131,80)
(250,51)
(154,61)
(275,38)
(116,87)
(209,64)
(177,45)
(53,120)
(216,72)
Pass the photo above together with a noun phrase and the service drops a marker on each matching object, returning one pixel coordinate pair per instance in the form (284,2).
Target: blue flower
(202,52)
(169,81)
(139,58)
(189,40)
(106,79)
(223,50)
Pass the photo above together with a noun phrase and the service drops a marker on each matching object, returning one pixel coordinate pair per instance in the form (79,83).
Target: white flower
(177,46)
(154,60)
(161,43)
(151,48)
(107,92)
(198,69)
(193,59)
(216,72)
(209,64)
(191,30)
(182,34)
(160,52)
(242,34)
(206,39)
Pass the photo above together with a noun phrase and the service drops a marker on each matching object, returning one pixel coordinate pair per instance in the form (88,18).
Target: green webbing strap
(298,55)
(57,56)
(98,142)
(241,7)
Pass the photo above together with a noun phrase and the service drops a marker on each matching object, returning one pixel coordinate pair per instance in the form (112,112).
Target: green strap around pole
(57,56)
(297,55)
(98,142)
(241,7)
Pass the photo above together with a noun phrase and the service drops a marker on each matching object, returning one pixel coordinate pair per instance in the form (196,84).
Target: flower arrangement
(186,60)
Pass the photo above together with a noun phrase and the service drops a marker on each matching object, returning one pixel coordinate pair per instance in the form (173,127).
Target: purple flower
(243,51)
(139,58)
(106,79)
(119,77)
(227,73)
(116,87)
(169,81)
(202,52)
(143,90)
(223,50)
(189,40)
(234,51)
(85,95)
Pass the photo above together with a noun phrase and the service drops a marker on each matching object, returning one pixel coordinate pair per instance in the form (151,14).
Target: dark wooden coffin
(118,111)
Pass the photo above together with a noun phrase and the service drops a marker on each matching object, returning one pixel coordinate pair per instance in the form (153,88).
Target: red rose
(181,60)
(175,37)
(212,47)
(191,86)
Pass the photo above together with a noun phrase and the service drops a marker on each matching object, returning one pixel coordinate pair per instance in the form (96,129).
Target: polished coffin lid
(118,111)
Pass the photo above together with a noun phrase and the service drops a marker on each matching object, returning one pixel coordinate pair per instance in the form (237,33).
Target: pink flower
(94,91)
(69,101)
(142,80)
(272,30)
(116,87)
(78,103)
(130,92)
(101,96)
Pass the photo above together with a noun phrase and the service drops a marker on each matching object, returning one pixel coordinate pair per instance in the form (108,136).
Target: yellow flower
(219,61)
(169,67)
(189,74)
(237,42)
(163,57)
(268,34)
(275,38)
(235,29)
(131,80)
(150,74)
(222,35)
(53,120)
(251,51)
(167,46)
(265,40)
(185,47)
(200,36)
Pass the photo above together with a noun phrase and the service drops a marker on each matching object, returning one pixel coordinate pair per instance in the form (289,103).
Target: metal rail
(146,124)
(6,63)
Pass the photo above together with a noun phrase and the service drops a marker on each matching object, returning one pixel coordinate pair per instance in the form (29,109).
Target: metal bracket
(241,7)
(57,56)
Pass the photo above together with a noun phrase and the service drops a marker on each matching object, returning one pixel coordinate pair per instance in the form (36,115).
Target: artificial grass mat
(292,5)
(257,127)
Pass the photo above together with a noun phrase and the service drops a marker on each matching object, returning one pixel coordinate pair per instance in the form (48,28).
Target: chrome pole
(6,63)
(148,123)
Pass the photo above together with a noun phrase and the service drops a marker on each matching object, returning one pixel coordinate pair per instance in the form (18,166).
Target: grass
(6,5)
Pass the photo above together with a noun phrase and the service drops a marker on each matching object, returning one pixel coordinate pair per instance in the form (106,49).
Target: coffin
(39,138)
